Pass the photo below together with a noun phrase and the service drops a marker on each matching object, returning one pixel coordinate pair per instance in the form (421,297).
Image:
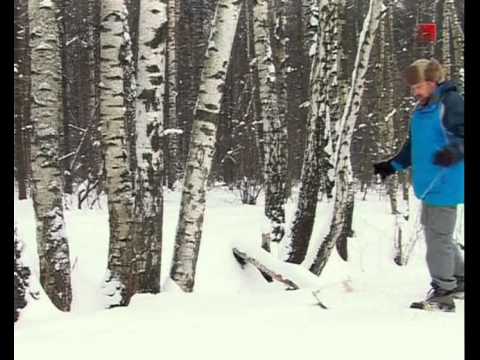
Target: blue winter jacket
(435,126)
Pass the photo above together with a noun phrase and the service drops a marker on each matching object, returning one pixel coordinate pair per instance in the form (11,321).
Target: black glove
(445,158)
(383,169)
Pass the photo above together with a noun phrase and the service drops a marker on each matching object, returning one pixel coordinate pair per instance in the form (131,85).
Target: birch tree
(297,74)
(193,43)
(315,162)
(335,92)
(92,142)
(446,44)
(458,38)
(72,98)
(237,153)
(274,127)
(174,167)
(385,102)
(149,126)
(280,57)
(129,65)
(253,80)
(310,15)
(21,95)
(202,144)
(118,280)
(341,222)
(46,113)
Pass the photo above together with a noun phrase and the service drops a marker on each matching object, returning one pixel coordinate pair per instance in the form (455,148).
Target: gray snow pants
(444,260)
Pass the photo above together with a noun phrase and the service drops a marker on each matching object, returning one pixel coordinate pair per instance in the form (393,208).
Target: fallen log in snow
(243,258)
(293,275)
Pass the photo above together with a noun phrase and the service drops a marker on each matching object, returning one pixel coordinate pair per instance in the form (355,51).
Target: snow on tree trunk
(446,45)
(196,16)
(280,41)
(129,86)
(174,167)
(385,103)
(118,279)
(253,80)
(316,160)
(46,113)
(71,95)
(202,144)
(148,214)
(340,227)
(21,276)
(297,90)
(335,92)
(274,126)
(458,46)
(391,104)
(95,162)
(311,23)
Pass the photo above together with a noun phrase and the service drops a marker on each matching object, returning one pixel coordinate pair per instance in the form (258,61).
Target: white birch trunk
(175,169)
(458,47)
(202,144)
(21,95)
(335,93)
(446,44)
(118,279)
(274,127)
(253,80)
(311,20)
(149,126)
(46,115)
(385,103)
(344,195)
(95,159)
(280,56)
(129,90)
(334,96)
(315,163)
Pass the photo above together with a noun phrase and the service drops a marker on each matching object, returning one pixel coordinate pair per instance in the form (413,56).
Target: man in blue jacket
(434,151)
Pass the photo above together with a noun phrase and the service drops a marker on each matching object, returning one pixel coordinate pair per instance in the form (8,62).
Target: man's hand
(445,158)
(383,169)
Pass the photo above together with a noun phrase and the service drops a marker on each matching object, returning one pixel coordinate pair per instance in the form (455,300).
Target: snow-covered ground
(233,313)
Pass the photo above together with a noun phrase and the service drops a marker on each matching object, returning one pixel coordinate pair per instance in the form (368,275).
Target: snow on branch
(293,275)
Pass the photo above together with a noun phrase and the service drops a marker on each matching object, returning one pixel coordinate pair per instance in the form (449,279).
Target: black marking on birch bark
(206,116)
(159,37)
(157,80)
(200,156)
(219,75)
(150,100)
(152,68)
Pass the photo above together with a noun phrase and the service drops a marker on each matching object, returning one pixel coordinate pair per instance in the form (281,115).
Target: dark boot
(437,300)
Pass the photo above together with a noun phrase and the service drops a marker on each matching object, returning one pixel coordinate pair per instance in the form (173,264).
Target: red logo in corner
(427,33)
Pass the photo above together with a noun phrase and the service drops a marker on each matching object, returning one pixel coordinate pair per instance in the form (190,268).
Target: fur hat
(424,70)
